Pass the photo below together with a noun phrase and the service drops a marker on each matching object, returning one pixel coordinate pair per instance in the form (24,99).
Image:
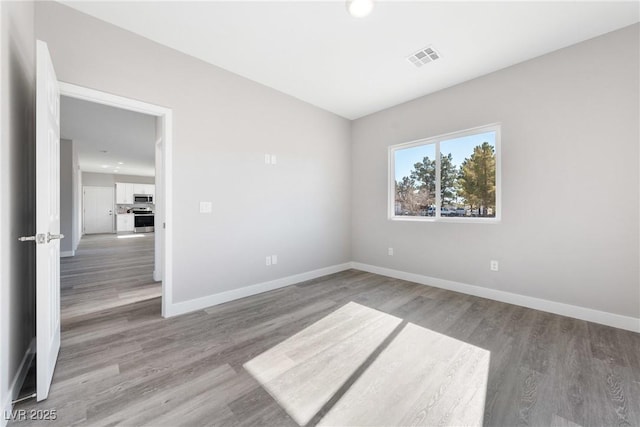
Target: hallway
(108,271)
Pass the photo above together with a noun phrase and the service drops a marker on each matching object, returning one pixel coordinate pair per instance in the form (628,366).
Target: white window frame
(435,140)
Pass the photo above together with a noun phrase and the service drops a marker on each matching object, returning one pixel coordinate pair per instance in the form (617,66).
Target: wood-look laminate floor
(125,365)
(107,271)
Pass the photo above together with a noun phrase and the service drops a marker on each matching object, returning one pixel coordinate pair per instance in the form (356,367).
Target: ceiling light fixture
(359,8)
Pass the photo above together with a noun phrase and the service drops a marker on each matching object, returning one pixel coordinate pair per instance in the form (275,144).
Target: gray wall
(223,126)
(66,195)
(570,132)
(92,179)
(17,189)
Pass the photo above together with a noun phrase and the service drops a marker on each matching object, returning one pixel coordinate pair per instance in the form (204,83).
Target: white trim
(18,381)
(66,254)
(5,334)
(222,297)
(582,313)
(92,95)
(165,115)
(459,220)
(159,185)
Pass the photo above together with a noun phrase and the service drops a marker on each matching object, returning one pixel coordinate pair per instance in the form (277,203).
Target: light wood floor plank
(421,378)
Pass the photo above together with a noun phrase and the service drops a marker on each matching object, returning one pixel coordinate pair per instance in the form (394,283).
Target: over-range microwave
(142,198)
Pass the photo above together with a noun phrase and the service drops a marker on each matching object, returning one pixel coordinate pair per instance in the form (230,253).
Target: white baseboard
(18,381)
(582,313)
(211,300)
(66,254)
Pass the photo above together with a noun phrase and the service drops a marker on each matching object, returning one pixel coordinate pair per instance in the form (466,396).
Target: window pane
(468,175)
(415,176)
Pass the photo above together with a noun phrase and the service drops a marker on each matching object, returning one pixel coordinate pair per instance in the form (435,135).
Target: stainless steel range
(143,220)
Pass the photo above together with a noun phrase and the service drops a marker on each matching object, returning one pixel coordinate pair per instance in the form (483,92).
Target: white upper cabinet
(126,190)
(144,189)
(124,193)
(139,188)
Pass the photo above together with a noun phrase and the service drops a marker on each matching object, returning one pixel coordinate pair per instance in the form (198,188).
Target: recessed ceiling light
(104,166)
(359,8)
(120,163)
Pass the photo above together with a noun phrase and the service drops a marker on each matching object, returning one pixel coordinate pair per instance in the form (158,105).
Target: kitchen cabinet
(126,190)
(148,189)
(124,193)
(124,222)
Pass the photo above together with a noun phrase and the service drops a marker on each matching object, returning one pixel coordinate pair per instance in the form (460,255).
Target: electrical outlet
(274,160)
(205,207)
(267,159)
(274,259)
(390,251)
(493,265)
(268,261)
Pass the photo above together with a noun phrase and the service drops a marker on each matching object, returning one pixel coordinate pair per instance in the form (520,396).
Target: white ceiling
(353,67)
(127,137)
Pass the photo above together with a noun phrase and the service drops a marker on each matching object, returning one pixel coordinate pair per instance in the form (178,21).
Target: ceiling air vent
(424,56)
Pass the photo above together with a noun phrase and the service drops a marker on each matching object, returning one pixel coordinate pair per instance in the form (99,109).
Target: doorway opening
(120,209)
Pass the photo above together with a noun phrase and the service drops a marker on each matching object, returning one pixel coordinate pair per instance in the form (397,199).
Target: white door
(98,210)
(47,221)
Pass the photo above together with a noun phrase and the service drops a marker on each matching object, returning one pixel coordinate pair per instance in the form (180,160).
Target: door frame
(84,208)
(163,270)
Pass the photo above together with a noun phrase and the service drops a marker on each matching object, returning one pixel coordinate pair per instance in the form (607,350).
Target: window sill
(446,219)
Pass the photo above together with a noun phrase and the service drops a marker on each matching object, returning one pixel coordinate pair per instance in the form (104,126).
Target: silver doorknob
(41,238)
(51,237)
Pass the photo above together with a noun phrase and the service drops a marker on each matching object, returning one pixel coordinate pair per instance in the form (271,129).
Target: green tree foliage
(477,179)
(474,181)
(424,175)
(448,180)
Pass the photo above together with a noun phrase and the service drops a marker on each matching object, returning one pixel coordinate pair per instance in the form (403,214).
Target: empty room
(333,213)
